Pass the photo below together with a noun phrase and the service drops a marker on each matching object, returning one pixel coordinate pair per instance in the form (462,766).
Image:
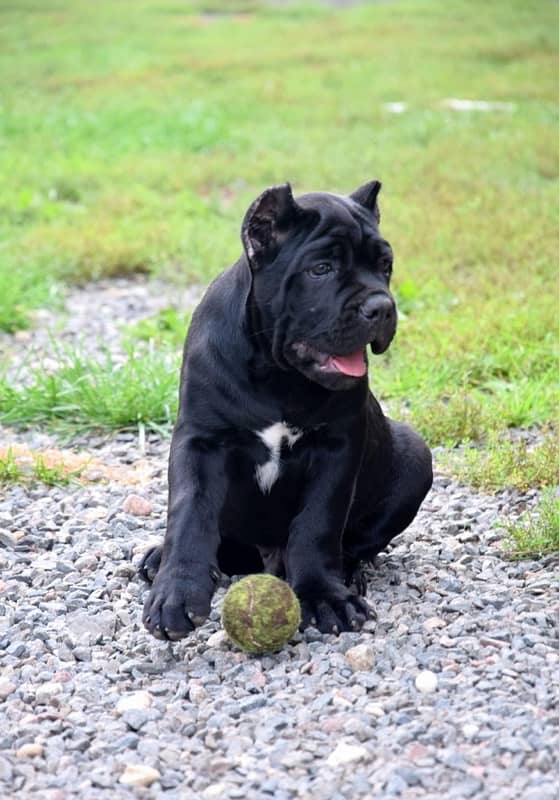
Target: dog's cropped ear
(267,223)
(366,196)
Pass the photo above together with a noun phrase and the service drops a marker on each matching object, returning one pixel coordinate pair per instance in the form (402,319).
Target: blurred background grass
(134,135)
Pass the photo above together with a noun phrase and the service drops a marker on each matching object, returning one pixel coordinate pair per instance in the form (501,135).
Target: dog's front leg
(314,550)
(182,589)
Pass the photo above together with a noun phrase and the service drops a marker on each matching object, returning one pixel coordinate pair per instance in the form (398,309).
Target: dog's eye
(319,270)
(386,268)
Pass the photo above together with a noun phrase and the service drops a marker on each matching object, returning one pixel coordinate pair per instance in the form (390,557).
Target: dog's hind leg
(274,560)
(369,530)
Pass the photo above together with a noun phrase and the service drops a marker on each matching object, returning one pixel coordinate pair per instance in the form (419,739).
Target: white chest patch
(273,437)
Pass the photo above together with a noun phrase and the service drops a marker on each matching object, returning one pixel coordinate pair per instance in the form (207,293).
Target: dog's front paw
(176,605)
(334,611)
(150,563)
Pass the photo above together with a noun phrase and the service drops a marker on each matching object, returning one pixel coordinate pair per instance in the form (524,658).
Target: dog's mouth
(352,364)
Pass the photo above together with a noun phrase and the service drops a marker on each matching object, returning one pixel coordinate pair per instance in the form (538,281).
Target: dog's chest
(278,438)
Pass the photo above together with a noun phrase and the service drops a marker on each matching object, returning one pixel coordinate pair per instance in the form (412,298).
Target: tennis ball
(260,613)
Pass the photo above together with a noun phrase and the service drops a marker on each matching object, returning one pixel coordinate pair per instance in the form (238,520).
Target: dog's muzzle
(378,309)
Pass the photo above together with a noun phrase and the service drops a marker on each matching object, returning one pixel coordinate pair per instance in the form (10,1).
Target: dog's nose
(377,308)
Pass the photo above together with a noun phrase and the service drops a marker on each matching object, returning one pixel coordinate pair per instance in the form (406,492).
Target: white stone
(94,513)
(402,629)
(346,754)
(87,561)
(470,729)
(139,775)
(30,750)
(215,790)
(426,682)
(85,628)
(136,701)
(375,710)
(361,657)
(434,622)
(196,693)
(47,692)
(6,688)
(340,701)
(218,639)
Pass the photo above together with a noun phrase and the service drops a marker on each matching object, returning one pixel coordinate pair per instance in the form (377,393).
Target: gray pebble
(135,719)
(252,703)
(6,770)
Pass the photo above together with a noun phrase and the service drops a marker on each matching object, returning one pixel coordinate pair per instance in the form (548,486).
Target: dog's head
(320,276)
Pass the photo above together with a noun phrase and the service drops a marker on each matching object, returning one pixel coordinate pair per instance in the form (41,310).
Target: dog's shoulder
(216,352)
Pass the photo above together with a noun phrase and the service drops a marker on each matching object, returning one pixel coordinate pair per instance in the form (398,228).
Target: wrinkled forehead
(339,216)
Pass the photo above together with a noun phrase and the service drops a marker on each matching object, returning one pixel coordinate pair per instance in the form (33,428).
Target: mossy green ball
(260,613)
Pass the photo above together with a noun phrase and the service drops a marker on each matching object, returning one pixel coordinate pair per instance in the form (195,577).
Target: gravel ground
(452,692)
(93,320)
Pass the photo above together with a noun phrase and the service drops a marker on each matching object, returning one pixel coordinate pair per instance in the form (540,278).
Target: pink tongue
(354,364)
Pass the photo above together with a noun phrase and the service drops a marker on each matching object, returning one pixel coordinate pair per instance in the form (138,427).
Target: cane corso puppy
(281,458)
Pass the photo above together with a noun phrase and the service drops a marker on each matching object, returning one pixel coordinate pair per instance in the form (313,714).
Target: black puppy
(281,458)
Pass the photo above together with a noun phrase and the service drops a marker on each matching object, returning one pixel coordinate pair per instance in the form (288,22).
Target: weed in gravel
(53,474)
(535,533)
(30,467)
(451,420)
(10,471)
(505,461)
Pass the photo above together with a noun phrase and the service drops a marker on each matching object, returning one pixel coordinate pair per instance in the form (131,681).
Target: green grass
(494,367)
(22,287)
(84,393)
(505,461)
(134,136)
(168,327)
(535,533)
